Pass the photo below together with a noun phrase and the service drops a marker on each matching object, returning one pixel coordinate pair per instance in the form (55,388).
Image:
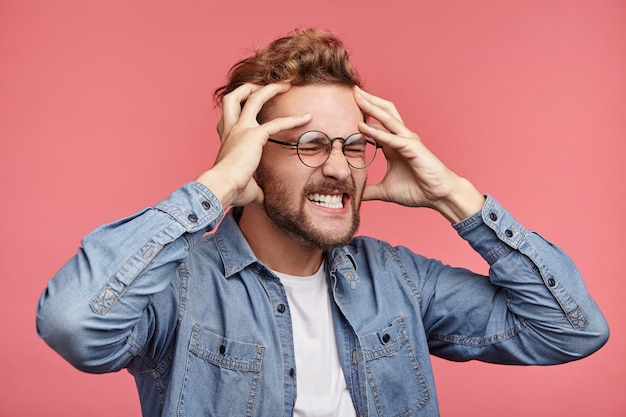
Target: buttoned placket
(342,268)
(282,317)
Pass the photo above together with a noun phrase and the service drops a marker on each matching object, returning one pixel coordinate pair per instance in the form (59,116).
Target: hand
(415,177)
(242,140)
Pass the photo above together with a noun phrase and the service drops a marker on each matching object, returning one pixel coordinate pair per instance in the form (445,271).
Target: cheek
(279,174)
(360,179)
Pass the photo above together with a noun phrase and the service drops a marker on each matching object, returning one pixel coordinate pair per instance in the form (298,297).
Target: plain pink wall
(105,107)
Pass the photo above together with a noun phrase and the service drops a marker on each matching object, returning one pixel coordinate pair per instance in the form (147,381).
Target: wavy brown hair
(303,57)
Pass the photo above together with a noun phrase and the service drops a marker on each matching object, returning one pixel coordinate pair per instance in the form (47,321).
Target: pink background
(105,107)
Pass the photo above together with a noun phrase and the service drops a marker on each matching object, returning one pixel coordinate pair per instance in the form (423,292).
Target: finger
(378,132)
(391,144)
(231,104)
(257,100)
(394,147)
(376,126)
(384,137)
(380,102)
(387,119)
(280,124)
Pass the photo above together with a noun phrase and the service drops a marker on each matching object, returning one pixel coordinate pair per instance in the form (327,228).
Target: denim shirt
(205,327)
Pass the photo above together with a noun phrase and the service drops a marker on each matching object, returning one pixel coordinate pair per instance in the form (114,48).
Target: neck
(277,249)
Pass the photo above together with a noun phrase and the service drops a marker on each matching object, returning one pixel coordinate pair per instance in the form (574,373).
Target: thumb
(373,192)
(260,197)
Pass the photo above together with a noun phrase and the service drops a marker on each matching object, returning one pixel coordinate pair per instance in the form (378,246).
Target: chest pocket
(221,376)
(394,376)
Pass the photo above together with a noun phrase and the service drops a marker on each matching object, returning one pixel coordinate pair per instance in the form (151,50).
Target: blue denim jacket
(205,328)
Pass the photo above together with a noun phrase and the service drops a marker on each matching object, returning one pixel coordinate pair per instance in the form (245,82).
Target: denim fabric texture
(205,328)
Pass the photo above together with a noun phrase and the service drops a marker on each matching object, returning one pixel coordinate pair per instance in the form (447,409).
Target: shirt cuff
(492,231)
(194,206)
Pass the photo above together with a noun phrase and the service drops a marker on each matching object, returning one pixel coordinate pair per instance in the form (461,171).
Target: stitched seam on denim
(578,319)
(478,341)
(405,275)
(386,350)
(231,363)
(230,270)
(497,253)
(255,382)
(183,279)
(181,216)
(411,411)
(155,371)
(343,263)
(252,365)
(401,342)
(464,226)
(180,410)
(575,315)
(115,288)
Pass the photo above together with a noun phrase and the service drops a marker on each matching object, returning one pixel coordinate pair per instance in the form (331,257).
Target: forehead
(330,105)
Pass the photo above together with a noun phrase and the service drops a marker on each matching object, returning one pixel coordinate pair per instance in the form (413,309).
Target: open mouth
(334,201)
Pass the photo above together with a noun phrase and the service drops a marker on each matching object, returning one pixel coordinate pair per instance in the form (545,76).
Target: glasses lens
(360,150)
(313,148)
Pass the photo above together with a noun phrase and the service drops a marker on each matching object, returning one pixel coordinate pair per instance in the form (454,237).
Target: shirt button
(493,216)
(206,205)
(222,349)
(386,338)
(192,218)
(281,308)
(292,372)
(551,282)
(508,233)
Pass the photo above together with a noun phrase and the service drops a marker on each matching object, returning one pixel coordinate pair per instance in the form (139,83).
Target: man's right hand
(231,178)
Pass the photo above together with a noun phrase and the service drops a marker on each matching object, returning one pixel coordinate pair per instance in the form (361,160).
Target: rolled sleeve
(92,305)
(542,287)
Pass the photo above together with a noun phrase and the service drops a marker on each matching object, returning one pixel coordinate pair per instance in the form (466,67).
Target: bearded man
(281,310)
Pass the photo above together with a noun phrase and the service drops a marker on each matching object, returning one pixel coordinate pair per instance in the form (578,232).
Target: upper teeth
(330,201)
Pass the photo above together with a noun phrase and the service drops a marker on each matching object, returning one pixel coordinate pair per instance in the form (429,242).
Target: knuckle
(241,92)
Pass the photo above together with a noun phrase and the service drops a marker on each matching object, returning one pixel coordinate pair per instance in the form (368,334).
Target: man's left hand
(415,177)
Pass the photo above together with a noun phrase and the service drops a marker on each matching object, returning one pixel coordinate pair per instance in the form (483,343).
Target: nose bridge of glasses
(341,148)
(315,148)
(336,162)
(327,152)
(342,143)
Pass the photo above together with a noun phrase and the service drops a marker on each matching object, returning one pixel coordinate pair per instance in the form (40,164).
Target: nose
(336,166)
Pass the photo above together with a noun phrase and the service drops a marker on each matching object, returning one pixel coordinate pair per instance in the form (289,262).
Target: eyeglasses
(314,147)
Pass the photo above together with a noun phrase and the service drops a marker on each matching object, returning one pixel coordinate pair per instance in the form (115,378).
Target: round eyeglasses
(314,147)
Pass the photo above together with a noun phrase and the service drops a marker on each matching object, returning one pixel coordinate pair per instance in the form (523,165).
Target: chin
(332,237)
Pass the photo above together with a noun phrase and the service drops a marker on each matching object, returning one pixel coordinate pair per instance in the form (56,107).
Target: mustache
(330,186)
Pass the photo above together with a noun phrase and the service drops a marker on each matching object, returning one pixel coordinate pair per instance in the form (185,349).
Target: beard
(294,221)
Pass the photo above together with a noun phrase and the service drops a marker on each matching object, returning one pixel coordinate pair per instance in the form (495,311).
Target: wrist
(461,203)
(219,186)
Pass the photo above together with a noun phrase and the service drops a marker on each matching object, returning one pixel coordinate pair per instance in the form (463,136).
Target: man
(281,311)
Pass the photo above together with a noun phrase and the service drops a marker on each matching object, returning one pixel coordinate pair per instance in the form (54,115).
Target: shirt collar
(233,247)
(236,253)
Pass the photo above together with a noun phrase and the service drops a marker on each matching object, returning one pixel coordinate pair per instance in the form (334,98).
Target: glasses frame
(295,144)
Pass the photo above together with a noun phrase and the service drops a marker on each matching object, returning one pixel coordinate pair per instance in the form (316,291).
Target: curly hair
(303,57)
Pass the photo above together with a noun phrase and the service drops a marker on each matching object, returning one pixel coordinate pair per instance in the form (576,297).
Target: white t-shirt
(322,389)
